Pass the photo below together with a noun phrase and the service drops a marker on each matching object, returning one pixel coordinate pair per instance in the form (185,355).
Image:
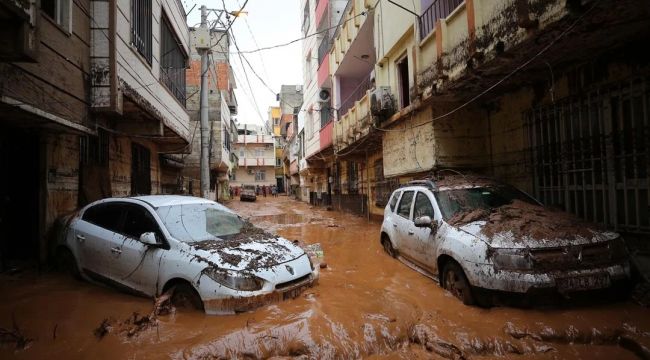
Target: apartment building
(91,96)
(536,93)
(255,149)
(320,18)
(222,104)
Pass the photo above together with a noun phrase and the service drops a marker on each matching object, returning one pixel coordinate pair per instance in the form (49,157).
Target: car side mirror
(422,221)
(149,238)
(426,222)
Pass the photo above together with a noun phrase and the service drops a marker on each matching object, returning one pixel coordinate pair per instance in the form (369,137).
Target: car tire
(65,262)
(455,281)
(388,246)
(186,297)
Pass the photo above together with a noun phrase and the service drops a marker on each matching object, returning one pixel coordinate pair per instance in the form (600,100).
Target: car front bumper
(230,301)
(487,277)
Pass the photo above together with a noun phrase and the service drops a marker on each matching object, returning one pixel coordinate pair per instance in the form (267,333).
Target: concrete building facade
(255,149)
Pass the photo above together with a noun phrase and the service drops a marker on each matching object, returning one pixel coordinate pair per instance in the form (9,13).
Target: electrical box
(202,36)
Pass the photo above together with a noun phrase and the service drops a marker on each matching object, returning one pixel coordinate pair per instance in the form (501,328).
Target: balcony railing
(323,49)
(357,94)
(439,9)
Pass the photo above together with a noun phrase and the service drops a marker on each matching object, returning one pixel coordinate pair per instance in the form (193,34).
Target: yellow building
(536,93)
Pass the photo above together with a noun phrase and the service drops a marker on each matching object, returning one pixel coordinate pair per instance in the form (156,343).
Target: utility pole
(205,128)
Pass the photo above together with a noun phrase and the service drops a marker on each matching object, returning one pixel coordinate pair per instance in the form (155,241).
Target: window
(260,175)
(106,215)
(141,33)
(403,82)
(59,11)
(325,114)
(305,18)
(404,208)
(308,73)
(276,121)
(140,170)
(172,62)
(226,139)
(422,206)
(259,152)
(353,183)
(139,221)
(393,200)
(241,153)
(278,162)
(93,150)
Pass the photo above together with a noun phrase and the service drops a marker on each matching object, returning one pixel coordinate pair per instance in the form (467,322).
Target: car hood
(506,239)
(245,254)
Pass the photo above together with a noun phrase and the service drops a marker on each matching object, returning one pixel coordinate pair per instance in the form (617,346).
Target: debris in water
(15,336)
(323,265)
(137,323)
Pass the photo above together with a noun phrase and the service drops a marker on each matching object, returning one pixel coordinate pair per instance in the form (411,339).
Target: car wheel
(455,281)
(388,246)
(185,297)
(65,262)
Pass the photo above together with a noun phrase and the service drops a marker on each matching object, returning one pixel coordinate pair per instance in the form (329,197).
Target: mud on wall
(120,165)
(61,180)
(409,147)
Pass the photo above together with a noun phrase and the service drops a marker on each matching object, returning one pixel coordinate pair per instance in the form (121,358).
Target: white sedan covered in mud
(207,253)
(479,238)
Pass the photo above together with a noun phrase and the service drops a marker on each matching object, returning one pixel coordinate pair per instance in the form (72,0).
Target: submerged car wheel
(388,246)
(65,262)
(185,297)
(455,281)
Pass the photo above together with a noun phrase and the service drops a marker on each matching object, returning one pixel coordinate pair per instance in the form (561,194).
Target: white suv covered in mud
(479,237)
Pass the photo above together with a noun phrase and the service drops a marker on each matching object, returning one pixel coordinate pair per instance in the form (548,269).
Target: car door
(135,264)
(94,234)
(423,237)
(401,221)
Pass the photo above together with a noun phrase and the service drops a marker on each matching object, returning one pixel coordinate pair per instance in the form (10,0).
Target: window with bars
(93,150)
(260,175)
(172,62)
(59,11)
(141,33)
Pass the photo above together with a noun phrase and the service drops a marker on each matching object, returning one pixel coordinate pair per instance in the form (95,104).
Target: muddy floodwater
(366,305)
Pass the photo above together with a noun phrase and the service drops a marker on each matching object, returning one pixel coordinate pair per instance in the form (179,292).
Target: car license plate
(597,281)
(295,292)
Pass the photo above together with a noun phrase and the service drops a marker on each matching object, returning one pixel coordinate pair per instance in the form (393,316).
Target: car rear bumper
(486,277)
(241,302)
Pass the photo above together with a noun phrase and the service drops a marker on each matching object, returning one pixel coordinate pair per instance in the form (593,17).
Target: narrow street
(366,304)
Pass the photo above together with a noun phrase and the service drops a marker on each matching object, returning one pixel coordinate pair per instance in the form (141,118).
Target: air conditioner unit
(382,101)
(250,171)
(324,95)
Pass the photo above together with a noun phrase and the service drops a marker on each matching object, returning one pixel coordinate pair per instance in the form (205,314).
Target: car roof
(157,201)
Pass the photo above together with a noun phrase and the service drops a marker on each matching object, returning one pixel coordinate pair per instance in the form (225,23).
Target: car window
(404,208)
(107,216)
(393,200)
(139,221)
(422,206)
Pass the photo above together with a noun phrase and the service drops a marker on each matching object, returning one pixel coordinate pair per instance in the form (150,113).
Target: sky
(268,23)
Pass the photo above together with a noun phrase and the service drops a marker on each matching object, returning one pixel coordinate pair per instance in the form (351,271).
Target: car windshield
(457,201)
(199,222)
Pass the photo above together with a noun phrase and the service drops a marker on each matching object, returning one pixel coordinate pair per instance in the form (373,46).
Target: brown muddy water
(366,305)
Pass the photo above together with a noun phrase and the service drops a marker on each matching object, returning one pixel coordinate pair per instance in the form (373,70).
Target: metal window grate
(172,62)
(591,154)
(141,32)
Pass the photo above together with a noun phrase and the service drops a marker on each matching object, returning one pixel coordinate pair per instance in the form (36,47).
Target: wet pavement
(365,305)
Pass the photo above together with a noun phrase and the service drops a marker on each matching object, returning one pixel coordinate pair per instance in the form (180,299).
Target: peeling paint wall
(409,146)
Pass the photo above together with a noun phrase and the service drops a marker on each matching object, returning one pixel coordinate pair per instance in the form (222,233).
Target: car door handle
(81,238)
(116,250)
(411,232)
(394,225)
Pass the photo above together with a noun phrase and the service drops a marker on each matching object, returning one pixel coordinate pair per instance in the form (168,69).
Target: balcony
(439,9)
(355,95)
(321,9)
(353,125)
(257,161)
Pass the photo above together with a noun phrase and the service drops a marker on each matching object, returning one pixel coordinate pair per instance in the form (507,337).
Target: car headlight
(511,259)
(235,280)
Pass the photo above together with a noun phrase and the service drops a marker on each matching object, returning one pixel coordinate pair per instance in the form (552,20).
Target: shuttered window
(141,35)
(172,62)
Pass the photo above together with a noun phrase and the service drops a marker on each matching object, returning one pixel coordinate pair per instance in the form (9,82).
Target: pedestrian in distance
(264,190)
(274,191)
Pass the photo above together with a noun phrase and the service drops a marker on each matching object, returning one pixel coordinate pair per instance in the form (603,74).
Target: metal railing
(357,94)
(439,9)
(323,49)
